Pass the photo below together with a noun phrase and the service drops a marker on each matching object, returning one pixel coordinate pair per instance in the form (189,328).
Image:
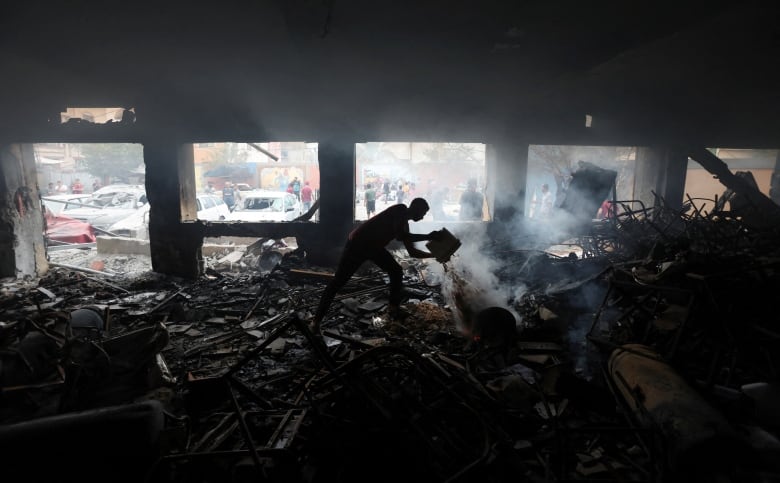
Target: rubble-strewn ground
(434,395)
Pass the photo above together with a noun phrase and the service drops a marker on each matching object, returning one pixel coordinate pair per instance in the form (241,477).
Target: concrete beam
(121,245)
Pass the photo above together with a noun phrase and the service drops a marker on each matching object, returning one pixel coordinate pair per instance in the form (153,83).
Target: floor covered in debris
(653,356)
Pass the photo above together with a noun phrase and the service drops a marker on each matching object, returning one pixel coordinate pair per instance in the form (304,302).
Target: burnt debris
(650,356)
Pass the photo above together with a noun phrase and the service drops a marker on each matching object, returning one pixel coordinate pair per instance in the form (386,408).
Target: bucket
(443,248)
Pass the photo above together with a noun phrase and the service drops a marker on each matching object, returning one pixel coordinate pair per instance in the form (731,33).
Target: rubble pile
(652,358)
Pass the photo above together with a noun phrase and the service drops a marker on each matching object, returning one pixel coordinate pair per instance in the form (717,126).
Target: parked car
(58,203)
(212,208)
(263,205)
(109,205)
(136,225)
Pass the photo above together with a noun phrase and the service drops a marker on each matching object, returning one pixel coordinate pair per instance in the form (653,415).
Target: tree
(106,161)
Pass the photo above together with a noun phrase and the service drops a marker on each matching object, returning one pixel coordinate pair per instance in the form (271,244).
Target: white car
(212,208)
(262,205)
(136,225)
(57,203)
(109,205)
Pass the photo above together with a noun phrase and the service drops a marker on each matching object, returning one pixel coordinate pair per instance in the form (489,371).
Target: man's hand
(436,235)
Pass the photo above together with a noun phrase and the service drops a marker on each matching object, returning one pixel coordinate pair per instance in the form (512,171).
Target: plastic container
(445,247)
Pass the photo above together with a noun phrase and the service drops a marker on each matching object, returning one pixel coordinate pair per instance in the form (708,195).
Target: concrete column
(337,205)
(175,246)
(660,170)
(507,169)
(22,249)
(187,186)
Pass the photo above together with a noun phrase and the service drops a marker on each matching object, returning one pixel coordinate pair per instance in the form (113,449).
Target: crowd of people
(231,194)
(76,188)
(468,206)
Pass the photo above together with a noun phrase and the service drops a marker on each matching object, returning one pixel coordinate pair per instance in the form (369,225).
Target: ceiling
(648,72)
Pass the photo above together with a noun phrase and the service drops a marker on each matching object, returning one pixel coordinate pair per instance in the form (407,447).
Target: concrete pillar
(661,170)
(507,169)
(175,246)
(22,249)
(337,205)
(187,187)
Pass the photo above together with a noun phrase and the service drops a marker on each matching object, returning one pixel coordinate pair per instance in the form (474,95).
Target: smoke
(470,279)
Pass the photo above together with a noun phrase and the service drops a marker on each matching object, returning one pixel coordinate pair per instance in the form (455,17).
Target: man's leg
(386,262)
(349,263)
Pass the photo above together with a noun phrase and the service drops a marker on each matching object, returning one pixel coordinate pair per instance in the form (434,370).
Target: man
(367,242)
(306,196)
(296,186)
(471,203)
(209,187)
(77,187)
(370,200)
(229,195)
(60,188)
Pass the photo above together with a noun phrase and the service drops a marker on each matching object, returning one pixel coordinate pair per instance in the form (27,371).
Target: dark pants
(352,258)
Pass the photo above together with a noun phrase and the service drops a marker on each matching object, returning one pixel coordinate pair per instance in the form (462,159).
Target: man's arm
(414,251)
(410,238)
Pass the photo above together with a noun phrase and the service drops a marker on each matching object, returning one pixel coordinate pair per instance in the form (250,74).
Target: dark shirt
(391,224)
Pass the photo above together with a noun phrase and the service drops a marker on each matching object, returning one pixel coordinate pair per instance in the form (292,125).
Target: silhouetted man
(367,242)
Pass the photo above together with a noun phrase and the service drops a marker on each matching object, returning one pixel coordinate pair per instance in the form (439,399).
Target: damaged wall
(22,250)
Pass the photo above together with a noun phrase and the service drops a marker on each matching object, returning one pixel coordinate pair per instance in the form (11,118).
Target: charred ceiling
(654,73)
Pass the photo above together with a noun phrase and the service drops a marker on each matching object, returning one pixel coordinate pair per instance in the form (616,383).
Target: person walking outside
(229,195)
(367,243)
(370,200)
(306,196)
(296,185)
(77,187)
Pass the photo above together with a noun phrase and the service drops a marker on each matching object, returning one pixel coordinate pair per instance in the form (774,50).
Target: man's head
(417,209)
(306,183)
(472,184)
(545,188)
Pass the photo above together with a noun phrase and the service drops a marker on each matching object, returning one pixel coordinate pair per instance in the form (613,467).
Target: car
(108,205)
(136,225)
(212,207)
(264,205)
(243,187)
(57,203)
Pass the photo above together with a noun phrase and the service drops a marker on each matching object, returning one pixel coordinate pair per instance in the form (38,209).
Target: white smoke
(470,283)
